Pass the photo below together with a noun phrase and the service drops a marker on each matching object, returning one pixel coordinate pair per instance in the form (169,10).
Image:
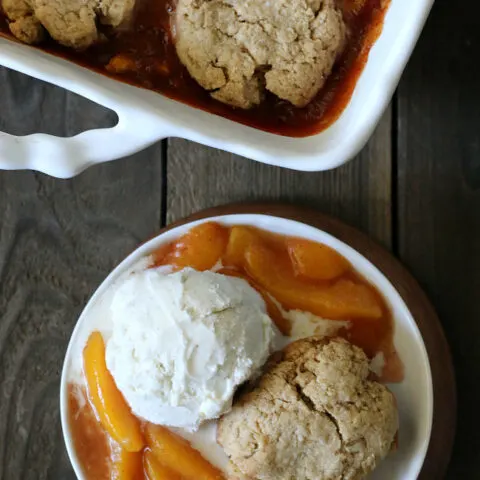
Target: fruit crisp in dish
(284,66)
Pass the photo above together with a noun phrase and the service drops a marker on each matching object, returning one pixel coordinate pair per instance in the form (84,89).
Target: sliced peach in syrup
(316,261)
(341,300)
(154,470)
(126,465)
(239,240)
(176,453)
(111,408)
(121,63)
(160,254)
(282,323)
(90,439)
(200,248)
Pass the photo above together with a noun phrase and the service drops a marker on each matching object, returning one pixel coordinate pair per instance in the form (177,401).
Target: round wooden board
(444,390)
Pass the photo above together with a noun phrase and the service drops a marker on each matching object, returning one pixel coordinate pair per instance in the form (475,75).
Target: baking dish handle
(67,157)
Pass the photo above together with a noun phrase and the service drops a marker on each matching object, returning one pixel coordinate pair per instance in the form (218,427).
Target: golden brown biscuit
(72,23)
(238,49)
(313,415)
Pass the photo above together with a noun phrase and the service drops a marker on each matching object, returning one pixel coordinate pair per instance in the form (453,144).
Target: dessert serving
(228,351)
(284,66)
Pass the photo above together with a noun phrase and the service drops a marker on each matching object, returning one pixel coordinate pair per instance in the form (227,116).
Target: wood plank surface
(58,241)
(358,193)
(29,106)
(439,197)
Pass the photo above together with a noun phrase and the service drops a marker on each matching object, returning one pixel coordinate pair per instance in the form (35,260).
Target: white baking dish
(146,117)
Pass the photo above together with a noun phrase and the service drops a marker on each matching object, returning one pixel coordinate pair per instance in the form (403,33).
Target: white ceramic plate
(414,395)
(146,117)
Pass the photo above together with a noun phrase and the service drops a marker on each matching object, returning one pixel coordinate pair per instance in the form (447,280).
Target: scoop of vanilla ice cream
(182,343)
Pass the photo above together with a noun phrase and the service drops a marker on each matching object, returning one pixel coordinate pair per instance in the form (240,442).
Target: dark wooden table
(415,188)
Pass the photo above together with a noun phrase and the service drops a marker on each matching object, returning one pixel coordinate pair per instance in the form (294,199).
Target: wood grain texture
(444,414)
(32,106)
(439,197)
(358,193)
(58,240)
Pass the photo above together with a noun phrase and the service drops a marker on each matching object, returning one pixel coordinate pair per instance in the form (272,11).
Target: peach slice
(177,454)
(121,63)
(342,300)
(111,408)
(160,254)
(200,248)
(154,470)
(239,240)
(282,323)
(126,465)
(316,261)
